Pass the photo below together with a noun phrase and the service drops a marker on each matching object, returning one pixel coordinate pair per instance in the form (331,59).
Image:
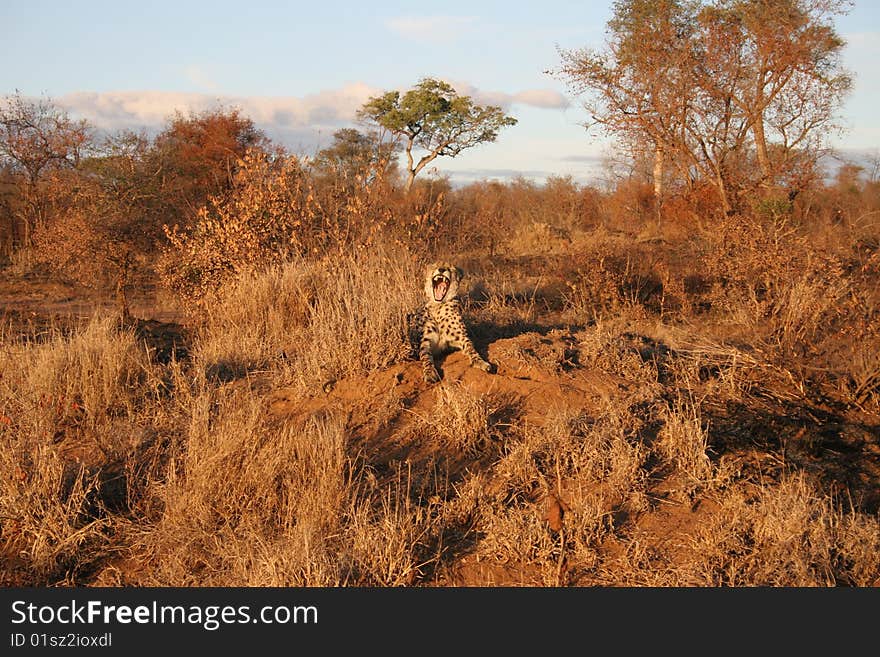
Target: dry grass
(254,322)
(788,534)
(719,426)
(247,505)
(463,423)
(71,410)
(49,530)
(683,441)
(80,382)
(586,470)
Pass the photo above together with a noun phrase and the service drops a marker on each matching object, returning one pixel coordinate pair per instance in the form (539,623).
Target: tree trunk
(658,173)
(761,150)
(411,176)
(658,181)
(410,166)
(723,194)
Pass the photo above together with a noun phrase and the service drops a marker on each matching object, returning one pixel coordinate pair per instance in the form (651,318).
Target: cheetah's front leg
(476,360)
(426,356)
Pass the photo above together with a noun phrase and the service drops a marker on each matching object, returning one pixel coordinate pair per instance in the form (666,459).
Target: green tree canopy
(435,118)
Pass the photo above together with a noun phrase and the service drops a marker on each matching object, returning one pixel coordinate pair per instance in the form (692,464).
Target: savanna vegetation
(206,376)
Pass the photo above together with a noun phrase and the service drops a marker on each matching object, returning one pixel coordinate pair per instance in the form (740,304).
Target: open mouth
(440,284)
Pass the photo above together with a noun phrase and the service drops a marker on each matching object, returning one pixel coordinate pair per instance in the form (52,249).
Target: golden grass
(90,388)
(706,358)
(788,534)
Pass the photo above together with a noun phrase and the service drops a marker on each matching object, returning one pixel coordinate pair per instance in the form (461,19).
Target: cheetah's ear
(460,272)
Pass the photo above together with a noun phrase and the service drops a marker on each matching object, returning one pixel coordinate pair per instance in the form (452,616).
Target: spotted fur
(440,325)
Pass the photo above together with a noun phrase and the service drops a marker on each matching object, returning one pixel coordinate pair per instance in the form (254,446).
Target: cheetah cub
(441,326)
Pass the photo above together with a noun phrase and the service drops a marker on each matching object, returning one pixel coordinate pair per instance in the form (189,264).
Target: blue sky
(300,70)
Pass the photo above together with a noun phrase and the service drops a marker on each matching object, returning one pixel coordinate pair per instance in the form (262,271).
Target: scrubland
(681,399)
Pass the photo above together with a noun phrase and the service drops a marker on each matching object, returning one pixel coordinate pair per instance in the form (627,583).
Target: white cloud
(149,109)
(322,111)
(542,98)
(301,123)
(435,29)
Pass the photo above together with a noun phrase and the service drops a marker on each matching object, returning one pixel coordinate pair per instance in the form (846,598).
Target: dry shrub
(276,210)
(612,278)
(536,238)
(769,278)
(743,258)
(571,206)
(629,205)
(721,371)
(683,440)
(503,296)
(807,303)
(418,221)
(481,211)
(594,294)
(520,217)
(786,535)
(543,220)
(263,219)
(801,311)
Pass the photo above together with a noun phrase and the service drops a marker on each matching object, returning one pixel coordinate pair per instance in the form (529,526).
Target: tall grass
(312,322)
(70,406)
(789,534)
(246,504)
(78,382)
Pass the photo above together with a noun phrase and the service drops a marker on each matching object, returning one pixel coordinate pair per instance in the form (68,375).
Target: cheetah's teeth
(441,286)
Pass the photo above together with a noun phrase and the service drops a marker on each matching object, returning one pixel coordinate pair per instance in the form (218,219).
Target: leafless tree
(37,139)
(710,87)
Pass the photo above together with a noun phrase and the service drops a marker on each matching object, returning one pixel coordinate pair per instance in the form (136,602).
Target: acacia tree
(434,118)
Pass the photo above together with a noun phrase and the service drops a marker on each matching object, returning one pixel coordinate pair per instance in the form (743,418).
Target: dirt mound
(537,370)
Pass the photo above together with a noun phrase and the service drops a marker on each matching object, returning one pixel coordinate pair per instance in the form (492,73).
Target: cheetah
(440,324)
